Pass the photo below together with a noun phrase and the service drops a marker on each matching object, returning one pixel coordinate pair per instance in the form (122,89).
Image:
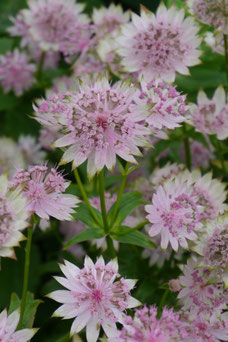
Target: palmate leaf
(30,309)
(85,235)
(128,235)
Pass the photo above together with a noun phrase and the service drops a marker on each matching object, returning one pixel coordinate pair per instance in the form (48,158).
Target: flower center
(97,296)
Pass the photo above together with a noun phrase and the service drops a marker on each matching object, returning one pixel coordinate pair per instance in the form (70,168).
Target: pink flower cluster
(44,192)
(16,72)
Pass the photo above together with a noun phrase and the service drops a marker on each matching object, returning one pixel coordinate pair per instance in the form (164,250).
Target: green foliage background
(47,247)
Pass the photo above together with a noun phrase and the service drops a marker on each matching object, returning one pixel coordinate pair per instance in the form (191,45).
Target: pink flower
(95,296)
(8,327)
(211,116)
(201,293)
(146,327)
(165,105)
(159,45)
(169,171)
(174,215)
(55,24)
(16,72)
(200,154)
(13,218)
(44,192)
(31,150)
(88,63)
(100,121)
(210,12)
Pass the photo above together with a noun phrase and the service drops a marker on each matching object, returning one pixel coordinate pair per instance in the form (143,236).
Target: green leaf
(5,45)
(30,309)
(128,203)
(83,214)
(135,237)
(85,235)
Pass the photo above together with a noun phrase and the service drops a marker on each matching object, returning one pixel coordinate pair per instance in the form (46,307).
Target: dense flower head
(210,116)
(56,25)
(165,105)
(13,216)
(11,157)
(20,29)
(96,296)
(210,12)
(174,214)
(100,121)
(201,155)
(169,171)
(16,72)
(199,293)
(212,329)
(44,192)
(8,326)
(146,327)
(31,150)
(212,246)
(159,45)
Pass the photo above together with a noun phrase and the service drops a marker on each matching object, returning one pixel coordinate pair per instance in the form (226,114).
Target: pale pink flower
(169,171)
(55,24)
(165,105)
(100,121)
(210,12)
(212,246)
(212,329)
(96,296)
(47,137)
(107,20)
(11,157)
(200,154)
(159,45)
(44,192)
(13,216)
(31,150)
(210,116)
(8,326)
(216,42)
(174,214)
(20,29)
(88,63)
(201,292)
(16,72)
(174,285)
(146,327)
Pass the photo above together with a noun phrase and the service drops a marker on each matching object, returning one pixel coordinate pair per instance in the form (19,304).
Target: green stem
(120,193)
(65,338)
(84,195)
(221,156)
(40,66)
(102,201)
(26,271)
(161,304)
(188,157)
(225,37)
(139,226)
(110,245)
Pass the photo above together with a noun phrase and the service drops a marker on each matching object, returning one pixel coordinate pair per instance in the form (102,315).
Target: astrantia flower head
(210,116)
(201,292)
(100,121)
(13,216)
(146,327)
(44,192)
(108,20)
(88,63)
(212,246)
(169,171)
(11,157)
(96,296)
(16,72)
(210,12)
(159,45)
(54,24)
(31,150)
(174,214)
(165,105)
(8,326)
